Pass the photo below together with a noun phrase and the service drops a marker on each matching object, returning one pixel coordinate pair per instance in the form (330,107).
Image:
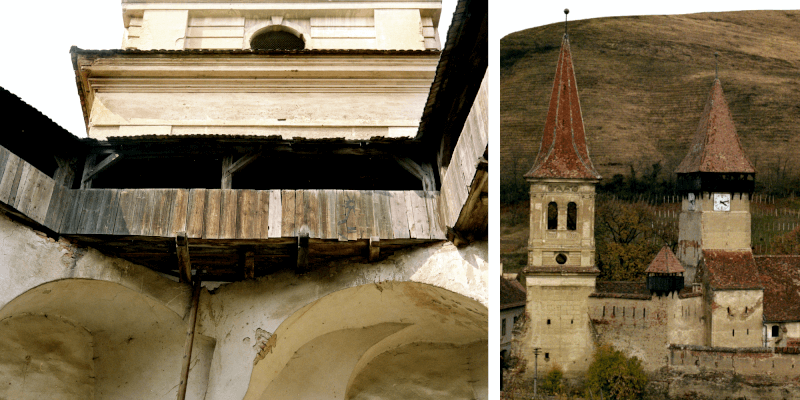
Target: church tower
(561,270)
(716,181)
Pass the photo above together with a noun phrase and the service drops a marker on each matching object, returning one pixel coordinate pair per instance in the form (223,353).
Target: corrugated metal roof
(563,152)
(716,146)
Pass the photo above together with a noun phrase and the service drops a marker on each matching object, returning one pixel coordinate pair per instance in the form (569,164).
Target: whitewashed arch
(276,24)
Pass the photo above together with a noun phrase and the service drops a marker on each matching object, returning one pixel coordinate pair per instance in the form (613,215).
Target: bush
(616,375)
(552,383)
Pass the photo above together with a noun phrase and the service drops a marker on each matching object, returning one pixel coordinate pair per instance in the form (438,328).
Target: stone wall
(645,328)
(736,318)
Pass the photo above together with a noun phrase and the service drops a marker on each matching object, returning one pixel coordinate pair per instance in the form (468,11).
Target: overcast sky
(36,37)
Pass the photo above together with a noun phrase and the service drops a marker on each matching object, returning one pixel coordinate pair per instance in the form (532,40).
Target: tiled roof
(512,294)
(665,262)
(730,270)
(716,146)
(780,276)
(563,152)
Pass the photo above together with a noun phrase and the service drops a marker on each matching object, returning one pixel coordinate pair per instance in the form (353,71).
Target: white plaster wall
(398,29)
(240,314)
(163,29)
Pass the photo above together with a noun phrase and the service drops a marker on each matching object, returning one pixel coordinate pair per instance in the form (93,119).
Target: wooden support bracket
(302,249)
(374,248)
(249,263)
(189,343)
(423,172)
(456,237)
(184,263)
(90,169)
(66,171)
(229,166)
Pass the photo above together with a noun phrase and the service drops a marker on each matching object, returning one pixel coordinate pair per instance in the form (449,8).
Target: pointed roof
(665,262)
(716,146)
(563,152)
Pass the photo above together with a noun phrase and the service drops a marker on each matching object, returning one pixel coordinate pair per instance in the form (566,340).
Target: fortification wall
(736,318)
(645,328)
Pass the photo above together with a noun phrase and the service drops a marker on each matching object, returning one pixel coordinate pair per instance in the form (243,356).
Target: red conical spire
(665,262)
(563,152)
(716,146)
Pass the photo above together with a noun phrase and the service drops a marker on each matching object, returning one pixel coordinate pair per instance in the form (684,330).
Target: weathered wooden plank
(365,226)
(415,202)
(27,192)
(212,215)
(330,206)
(383,214)
(195,216)
(108,212)
(287,210)
(90,209)
(323,227)
(9,175)
(163,218)
(20,181)
(4,155)
(248,220)
(73,218)
(56,208)
(179,214)
(37,209)
(311,212)
(342,214)
(249,261)
(400,223)
(264,208)
(152,198)
(184,260)
(123,221)
(299,210)
(275,229)
(351,202)
(435,215)
(228,211)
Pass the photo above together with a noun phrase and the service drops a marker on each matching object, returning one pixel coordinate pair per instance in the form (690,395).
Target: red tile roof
(665,262)
(512,294)
(716,146)
(563,152)
(780,276)
(622,290)
(730,270)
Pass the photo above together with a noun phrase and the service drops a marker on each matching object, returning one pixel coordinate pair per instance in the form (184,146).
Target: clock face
(690,197)
(722,201)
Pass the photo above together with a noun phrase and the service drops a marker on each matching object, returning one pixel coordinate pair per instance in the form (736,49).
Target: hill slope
(643,82)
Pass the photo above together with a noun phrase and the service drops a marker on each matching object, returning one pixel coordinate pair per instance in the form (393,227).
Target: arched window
(277,40)
(552,215)
(572,216)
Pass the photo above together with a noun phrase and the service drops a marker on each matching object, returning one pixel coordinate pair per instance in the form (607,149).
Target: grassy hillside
(643,82)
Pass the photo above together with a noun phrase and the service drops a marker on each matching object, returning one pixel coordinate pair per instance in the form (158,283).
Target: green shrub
(552,383)
(618,376)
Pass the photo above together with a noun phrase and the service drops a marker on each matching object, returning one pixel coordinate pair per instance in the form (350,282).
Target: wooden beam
(187,348)
(86,182)
(227,178)
(374,248)
(302,249)
(90,172)
(66,171)
(249,263)
(184,263)
(423,172)
(244,161)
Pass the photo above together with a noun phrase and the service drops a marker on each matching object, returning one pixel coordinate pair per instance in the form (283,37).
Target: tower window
(561,258)
(776,331)
(277,40)
(547,356)
(548,322)
(552,215)
(572,216)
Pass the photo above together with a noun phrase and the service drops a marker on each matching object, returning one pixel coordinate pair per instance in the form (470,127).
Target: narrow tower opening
(552,215)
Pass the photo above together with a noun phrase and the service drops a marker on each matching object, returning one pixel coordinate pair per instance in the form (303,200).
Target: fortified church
(713,306)
(276,200)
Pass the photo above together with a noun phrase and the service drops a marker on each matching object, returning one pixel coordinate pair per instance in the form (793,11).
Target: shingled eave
(716,147)
(563,152)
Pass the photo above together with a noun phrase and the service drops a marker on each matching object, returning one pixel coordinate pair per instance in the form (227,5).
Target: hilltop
(643,82)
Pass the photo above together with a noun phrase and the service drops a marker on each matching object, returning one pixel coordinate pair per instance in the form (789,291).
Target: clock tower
(716,182)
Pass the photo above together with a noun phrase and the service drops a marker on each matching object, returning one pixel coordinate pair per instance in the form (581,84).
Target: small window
(733,332)
(552,215)
(776,331)
(572,321)
(561,258)
(572,216)
(644,313)
(547,356)
(277,40)
(604,311)
(548,322)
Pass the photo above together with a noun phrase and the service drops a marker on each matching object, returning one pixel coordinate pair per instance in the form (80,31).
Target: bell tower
(561,270)
(716,181)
